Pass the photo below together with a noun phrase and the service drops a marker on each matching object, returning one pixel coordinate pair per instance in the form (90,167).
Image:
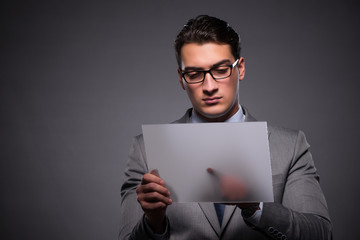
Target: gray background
(79,78)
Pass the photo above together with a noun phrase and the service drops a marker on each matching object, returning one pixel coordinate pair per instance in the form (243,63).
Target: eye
(193,75)
(220,70)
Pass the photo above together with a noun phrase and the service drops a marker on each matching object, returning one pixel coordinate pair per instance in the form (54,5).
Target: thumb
(155,172)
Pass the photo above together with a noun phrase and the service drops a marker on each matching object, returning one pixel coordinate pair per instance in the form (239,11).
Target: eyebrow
(222,62)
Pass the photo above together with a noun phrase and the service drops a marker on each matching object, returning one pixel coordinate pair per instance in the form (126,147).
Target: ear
(180,79)
(241,67)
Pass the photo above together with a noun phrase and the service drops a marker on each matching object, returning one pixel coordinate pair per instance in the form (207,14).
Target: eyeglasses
(218,72)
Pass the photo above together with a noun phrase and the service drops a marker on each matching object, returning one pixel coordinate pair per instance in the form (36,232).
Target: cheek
(230,90)
(235,86)
(192,92)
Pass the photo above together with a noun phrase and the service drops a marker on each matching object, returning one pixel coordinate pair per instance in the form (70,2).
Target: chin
(214,114)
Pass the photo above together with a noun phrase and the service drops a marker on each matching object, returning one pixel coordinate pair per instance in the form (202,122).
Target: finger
(154,187)
(155,197)
(149,177)
(247,204)
(156,173)
(148,206)
(213,172)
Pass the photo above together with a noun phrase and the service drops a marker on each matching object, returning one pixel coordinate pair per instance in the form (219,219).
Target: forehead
(205,55)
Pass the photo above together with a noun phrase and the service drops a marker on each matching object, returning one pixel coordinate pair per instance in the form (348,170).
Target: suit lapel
(210,214)
(229,211)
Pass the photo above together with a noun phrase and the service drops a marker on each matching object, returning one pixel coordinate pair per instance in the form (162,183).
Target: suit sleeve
(302,212)
(132,221)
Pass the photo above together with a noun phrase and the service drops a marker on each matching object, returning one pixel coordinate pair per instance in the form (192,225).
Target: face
(213,100)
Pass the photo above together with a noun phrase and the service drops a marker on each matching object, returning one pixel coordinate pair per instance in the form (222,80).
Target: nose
(209,85)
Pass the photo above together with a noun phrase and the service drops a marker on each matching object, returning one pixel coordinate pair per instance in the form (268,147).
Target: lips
(211,100)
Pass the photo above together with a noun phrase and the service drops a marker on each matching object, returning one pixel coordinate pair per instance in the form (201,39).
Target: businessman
(210,69)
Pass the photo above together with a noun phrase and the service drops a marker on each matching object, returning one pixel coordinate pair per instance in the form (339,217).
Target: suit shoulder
(185,117)
(284,135)
(285,132)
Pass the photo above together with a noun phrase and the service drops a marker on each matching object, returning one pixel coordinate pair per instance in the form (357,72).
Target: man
(210,70)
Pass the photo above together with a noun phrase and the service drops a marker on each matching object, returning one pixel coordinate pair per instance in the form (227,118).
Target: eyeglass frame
(209,71)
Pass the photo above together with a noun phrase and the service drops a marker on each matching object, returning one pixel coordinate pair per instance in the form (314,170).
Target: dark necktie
(219,208)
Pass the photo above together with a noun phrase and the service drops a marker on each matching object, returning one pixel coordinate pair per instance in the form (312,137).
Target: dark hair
(204,29)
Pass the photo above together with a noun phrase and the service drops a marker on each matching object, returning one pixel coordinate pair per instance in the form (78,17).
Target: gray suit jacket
(299,210)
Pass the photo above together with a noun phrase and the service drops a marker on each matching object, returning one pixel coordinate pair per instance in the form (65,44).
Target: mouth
(211,100)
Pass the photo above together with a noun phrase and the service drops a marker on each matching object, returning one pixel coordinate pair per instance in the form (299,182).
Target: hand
(232,188)
(153,197)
